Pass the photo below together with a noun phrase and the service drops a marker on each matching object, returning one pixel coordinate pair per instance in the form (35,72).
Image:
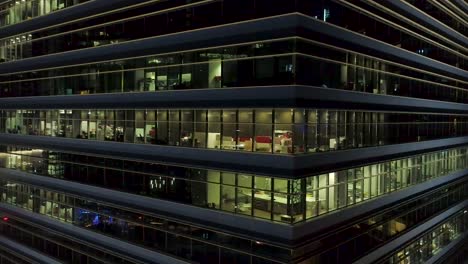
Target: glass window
(283,134)
(230,130)
(201,129)
(246,135)
(214,129)
(263,131)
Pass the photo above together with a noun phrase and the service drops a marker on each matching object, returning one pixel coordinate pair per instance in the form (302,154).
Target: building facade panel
(233,131)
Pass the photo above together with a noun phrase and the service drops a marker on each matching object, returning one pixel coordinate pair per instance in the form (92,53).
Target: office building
(233,131)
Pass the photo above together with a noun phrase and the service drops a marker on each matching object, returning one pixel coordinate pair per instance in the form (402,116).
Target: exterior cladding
(232,131)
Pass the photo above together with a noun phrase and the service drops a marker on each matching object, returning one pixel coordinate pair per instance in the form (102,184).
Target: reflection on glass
(273,131)
(274,198)
(155,233)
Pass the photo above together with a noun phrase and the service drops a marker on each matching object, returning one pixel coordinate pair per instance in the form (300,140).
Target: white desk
(262,201)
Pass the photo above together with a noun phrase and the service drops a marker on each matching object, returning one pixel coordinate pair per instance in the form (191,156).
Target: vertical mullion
(293,148)
(179,134)
(221,131)
(236,140)
(305,125)
(236,186)
(168,128)
(206,128)
(272,134)
(193,128)
(272,197)
(254,132)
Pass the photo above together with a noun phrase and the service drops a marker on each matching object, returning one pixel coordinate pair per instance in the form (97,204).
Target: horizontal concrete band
(428,21)
(86,9)
(105,243)
(448,251)
(289,25)
(327,223)
(24,252)
(254,228)
(281,26)
(239,224)
(261,96)
(410,236)
(378,48)
(462,4)
(96,7)
(335,160)
(286,166)
(249,162)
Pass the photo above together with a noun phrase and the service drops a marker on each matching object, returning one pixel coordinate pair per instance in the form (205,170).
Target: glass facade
(179,16)
(277,199)
(428,63)
(13,11)
(274,131)
(276,62)
(368,234)
(442,12)
(460,256)
(55,245)
(8,257)
(428,245)
(187,241)
(207,246)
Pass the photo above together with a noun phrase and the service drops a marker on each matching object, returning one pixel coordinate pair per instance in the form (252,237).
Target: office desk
(263,201)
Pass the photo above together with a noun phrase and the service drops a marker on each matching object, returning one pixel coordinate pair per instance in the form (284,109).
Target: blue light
(96,220)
